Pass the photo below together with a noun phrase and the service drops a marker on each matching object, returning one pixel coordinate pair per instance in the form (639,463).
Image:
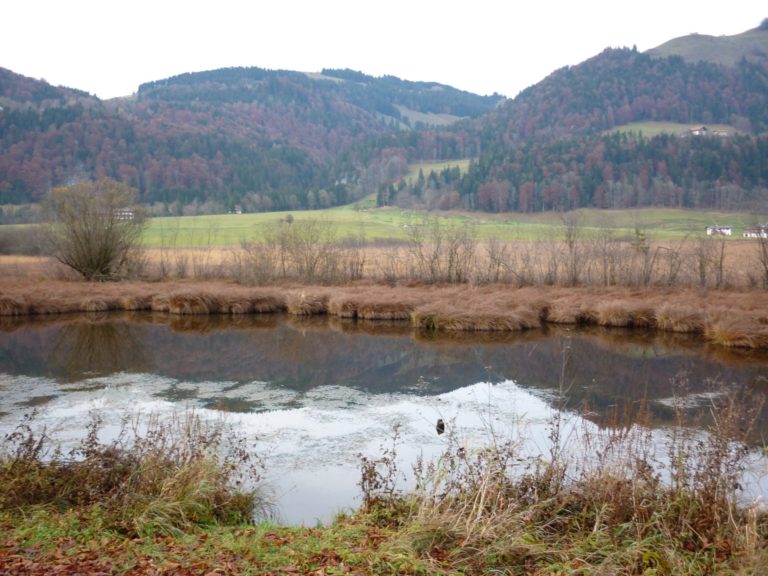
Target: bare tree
(762,257)
(94,227)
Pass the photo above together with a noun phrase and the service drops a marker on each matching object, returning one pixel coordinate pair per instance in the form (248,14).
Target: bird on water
(440,426)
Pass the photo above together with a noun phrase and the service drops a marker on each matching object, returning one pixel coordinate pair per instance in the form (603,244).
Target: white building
(719,231)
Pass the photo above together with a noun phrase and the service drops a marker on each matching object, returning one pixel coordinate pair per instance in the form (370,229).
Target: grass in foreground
(486,510)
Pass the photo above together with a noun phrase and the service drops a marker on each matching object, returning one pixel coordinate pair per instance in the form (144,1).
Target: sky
(108,48)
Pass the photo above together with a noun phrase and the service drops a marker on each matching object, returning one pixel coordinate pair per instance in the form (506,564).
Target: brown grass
(193,303)
(727,318)
(374,303)
(625,313)
(679,317)
(732,329)
(457,318)
(13,306)
(306,303)
(572,307)
(481,309)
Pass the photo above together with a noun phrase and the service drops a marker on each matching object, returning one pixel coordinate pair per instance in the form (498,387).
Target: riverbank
(737,319)
(475,511)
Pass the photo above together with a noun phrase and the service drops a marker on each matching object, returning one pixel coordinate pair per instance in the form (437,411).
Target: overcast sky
(108,48)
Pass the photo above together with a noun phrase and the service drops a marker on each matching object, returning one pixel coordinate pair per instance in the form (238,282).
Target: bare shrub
(574,257)
(441,253)
(606,251)
(94,227)
(709,259)
(762,259)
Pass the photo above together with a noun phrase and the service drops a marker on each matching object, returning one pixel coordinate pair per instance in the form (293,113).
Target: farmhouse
(719,230)
(756,231)
(124,214)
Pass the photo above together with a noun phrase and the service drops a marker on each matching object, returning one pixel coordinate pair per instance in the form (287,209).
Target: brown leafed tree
(94,227)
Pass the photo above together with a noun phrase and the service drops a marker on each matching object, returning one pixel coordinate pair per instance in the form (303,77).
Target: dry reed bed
(727,318)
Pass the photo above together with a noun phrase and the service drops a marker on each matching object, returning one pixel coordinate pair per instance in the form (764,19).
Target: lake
(314,394)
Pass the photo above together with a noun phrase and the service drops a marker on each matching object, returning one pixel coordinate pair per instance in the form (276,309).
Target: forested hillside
(262,139)
(553,147)
(620,86)
(274,139)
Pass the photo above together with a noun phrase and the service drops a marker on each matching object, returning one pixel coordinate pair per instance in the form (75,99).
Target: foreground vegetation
(594,503)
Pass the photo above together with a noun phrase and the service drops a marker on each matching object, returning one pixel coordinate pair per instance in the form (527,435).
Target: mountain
(17,90)
(267,139)
(573,139)
(726,50)
(278,139)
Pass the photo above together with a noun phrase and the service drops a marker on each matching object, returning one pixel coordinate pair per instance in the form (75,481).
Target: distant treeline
(611,171)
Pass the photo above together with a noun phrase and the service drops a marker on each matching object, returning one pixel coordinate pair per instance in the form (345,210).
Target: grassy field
(391,224)
(725,50)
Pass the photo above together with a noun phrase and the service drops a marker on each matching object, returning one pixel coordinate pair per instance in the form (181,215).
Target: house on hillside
(719,230)
(698,131)
(756,231)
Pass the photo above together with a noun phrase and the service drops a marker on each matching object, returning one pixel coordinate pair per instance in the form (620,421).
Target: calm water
(315,394)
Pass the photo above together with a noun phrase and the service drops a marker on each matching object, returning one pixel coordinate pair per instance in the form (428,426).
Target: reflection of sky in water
(312,440)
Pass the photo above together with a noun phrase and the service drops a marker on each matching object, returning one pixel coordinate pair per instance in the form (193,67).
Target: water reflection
(257,363)
(314,393)
(97,347)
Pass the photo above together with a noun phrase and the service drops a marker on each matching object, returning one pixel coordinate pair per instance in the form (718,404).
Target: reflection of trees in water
(611,374)
(98,348)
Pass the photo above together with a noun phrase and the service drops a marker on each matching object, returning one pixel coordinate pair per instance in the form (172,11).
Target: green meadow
(391,224)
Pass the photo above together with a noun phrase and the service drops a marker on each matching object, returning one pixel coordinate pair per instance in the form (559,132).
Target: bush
(95,227)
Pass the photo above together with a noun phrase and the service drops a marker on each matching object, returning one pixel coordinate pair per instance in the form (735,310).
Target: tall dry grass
(596,502)
(155,477)
(728,318)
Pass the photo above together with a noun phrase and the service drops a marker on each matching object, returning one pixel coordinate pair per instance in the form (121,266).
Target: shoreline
(733,319)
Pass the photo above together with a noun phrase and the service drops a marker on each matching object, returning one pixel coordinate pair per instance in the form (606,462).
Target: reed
(386,310)
(571,309)
(734,330)
(100,304)
(236,305)
(193,303)
(729,318)
(374,303)
(54,304)
(343,306)
(596,504)
(13,306)
(681,318)
(625,313)
(269,303)
(136,302)
(162,480)
(302,303)
(443,317)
